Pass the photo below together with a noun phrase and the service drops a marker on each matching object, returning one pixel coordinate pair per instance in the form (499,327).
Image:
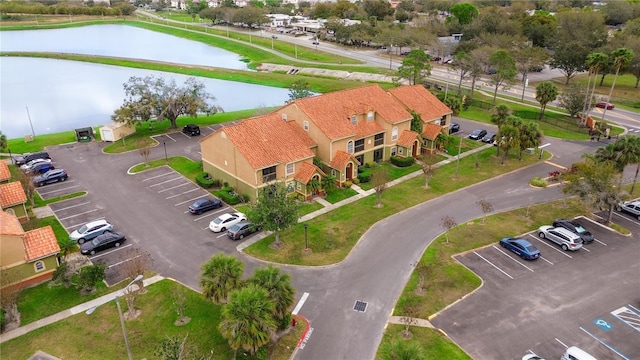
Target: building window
(269,174)
(394,133)
(370,116)
(354,120)
(360,159)
(443,121)
(350,147)
(290,187)
(378,139)
(39,266)
(10,211)
(305,125)
(289,169)
(284,117)
(393,151)
(359,145)
(333,172)
(299,187)
(399,150)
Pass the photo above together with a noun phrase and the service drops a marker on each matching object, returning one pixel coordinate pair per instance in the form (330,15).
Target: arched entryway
(349,171)
(415,149)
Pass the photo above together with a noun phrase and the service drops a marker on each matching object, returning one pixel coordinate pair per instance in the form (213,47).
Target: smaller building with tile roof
(5,174)
(13,200)
(26,257)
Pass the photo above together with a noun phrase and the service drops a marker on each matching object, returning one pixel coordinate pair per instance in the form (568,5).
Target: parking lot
(589,298)
(164,234)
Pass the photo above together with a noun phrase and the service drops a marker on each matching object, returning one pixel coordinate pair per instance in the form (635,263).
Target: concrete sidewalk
(69,312)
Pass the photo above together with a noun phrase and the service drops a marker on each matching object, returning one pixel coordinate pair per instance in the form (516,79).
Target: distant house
(13,200)
(27,258)
(5,174)
(328,135)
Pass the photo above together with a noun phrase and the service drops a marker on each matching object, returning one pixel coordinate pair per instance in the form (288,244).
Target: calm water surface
(120,41)
(63,95)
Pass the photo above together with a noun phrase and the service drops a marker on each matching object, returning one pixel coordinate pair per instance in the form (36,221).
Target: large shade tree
(220,275)
(415,66)
(274,210)
(156,97)
(505,70)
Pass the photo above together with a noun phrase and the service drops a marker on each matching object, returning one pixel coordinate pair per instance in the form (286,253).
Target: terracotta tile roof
(365,128)
(268,140)
(5,174)
(420,100)
(341,158)
(407,138)
(332,112)
(306,172)
(40,243)
(10,225)
(11,194)
(431,131)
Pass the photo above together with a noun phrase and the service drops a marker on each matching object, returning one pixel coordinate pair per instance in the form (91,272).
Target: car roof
(96,222)
(522,242)
(566,232)
(227,215)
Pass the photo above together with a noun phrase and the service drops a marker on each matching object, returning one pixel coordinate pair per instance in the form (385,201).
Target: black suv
(575,228)
(20,160)
(191,130)
(50,176)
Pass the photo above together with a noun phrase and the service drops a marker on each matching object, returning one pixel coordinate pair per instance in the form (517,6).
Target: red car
(604,104)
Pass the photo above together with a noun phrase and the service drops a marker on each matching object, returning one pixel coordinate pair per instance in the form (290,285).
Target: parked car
(50,176)
(477,134)
(316,43)
(448,61)
(225,221)
(604,104)
(563,237)
(40,168)
(90,230)
(630,207)
(489,138)
(20,160)
(242,229)
(102,242)
(26,167)
(191,129)
(454,128)
(532,357)
(490,71)
(274,36)
(522,247)
(437,58)
(575,228)
(537,68)
(202,205)
(575,353)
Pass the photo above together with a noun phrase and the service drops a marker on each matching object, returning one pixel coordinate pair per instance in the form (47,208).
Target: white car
(561,236)
(28,166)
(90,230)
(532,357)
(225,221)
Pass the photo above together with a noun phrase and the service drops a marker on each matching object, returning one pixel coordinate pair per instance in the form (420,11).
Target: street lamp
(117,299)
(306,238)
(458,158)
(165,151)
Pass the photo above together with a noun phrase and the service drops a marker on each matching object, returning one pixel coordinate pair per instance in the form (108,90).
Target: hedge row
(402,161)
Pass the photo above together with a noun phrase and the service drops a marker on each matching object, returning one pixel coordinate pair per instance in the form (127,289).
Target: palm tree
(546,92)
(220,275)
(628,152)
(633,142)
(3,141)
(280,291)
(530,136)
(508,139)
(247,322)
(621,57)
(595,62)
(500,114)
(400,349)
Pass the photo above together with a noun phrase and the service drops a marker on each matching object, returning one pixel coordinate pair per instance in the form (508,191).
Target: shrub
(370,164)
(229,196)
(364,176)
(356,181)
(538,182)
(204,180)
(402,161)
(347,184)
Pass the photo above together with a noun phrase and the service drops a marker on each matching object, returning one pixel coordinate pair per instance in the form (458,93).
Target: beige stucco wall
(323,150)
(12,250)
(220,152)
(26,271)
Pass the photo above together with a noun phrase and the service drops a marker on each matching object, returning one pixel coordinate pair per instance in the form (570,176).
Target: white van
(575,353)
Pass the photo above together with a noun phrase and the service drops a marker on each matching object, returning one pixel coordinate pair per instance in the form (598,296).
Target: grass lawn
(333,235)
(394,172)
(338,194)
(434,345)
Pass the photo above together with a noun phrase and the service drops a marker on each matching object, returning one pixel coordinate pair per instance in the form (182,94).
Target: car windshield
(83,229)
(234,228)
(217,221)
(531,248)
(95,242)
(580,229)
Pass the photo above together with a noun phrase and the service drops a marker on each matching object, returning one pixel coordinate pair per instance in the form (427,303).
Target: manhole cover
(360,306)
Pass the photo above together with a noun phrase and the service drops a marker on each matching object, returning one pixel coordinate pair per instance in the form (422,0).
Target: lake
(63,95)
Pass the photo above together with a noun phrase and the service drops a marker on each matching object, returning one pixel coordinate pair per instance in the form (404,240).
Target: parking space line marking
(490,263)
(631,306)
(510,257)
(546,260)
(166,181)
(123,261)
(551,246)
(76,215)
(563,344)
(628,317)
(157,176)
(222,233)
(190,200)
(599,241)
(77,225)
(585,249)
(300,303)
(605,344)
(627,218)
(177,186)
(204,216)
(72,206)
(111,252)
(58,190)
(182,193)
(174,140)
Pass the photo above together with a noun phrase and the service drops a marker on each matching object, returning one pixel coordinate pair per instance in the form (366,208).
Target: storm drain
(360,306)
